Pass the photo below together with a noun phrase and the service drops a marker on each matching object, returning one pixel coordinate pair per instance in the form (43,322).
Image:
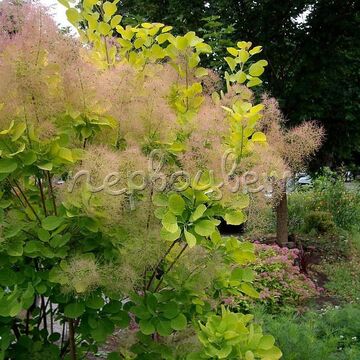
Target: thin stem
(27,322)
(27,201)
(16,194)
(27,126)
(105,42)
(72,340)
(170,267)
(51,318)
(42,196)
(150,209)
(16,330)
(107,53)
(63,335)
(35,108)
(160,262)
(187,84)
(52,194)
(66,345)
(43,309)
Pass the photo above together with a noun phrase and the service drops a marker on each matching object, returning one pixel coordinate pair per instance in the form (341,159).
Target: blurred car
(304,179)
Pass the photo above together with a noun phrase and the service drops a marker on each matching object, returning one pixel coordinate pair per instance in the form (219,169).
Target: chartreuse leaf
(109,8)
(201,72)
(254,82)
(235,217)
(259,137)
(249,355)
(243,274)
(169,222)
(266,342)
(198,213)
(104,29)
(29,158)
(7,166)
(46,166)
(231,62)
(168,236)
(52,222)
(204,227)
(255,50)
(115,21)
(271,354)
(241,201)
(73,16)
(190,239)
(176,204)
(249,290)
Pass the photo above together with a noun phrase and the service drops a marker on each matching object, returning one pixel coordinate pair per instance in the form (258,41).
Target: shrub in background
(278,280)
(327,194)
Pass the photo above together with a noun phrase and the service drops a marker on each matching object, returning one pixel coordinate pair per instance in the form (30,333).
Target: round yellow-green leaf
(115,20)
(235,217)
(255,50)
(266,342)
(7,166)
(198,213)
(169,222)
(109,8)
(104,28)
(204,227)
(190,239)
(73,16)
(259,137)
(176,204)
(256,69)
(244,56)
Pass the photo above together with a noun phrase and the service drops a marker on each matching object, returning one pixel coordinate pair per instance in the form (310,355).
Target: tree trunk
(282,217)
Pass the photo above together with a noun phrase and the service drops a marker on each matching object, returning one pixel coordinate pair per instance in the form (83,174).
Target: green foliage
(328,334)
(344,280)
(325,215)
(319,222)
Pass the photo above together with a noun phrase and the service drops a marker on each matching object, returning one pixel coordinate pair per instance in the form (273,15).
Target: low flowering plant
(278,279)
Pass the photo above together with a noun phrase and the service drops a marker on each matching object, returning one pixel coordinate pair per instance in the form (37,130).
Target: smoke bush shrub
(98,138)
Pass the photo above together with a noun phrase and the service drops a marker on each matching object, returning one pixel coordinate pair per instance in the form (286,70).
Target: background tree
(311,46)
